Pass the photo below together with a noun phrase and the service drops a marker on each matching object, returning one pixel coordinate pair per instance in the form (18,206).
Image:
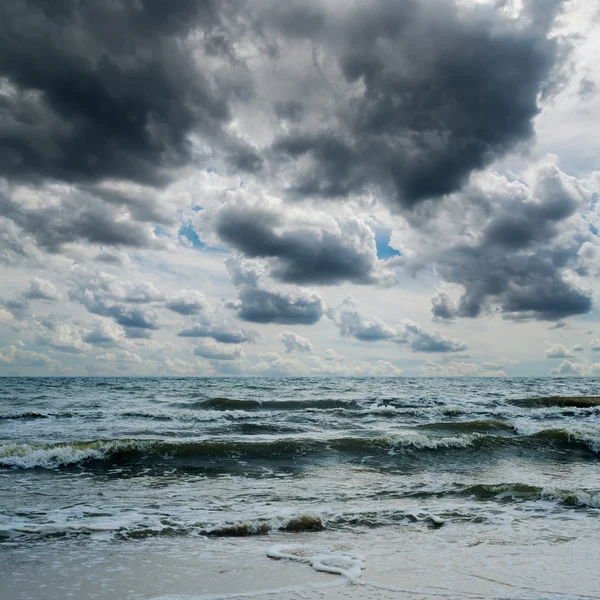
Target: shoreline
(519,560)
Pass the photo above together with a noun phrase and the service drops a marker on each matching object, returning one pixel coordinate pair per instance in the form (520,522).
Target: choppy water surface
(114,460)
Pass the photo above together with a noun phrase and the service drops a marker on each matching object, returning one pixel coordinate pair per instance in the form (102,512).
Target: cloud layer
(262,188)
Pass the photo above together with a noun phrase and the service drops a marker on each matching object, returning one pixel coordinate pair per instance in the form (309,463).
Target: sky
(300,188)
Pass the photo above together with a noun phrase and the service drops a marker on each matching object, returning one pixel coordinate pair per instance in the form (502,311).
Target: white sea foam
(324,560)
(26,456)
(419,441)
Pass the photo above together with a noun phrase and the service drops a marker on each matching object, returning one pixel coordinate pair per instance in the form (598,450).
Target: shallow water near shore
(165,488)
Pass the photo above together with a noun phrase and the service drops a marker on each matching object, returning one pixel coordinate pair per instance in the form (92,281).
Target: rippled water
(115,460)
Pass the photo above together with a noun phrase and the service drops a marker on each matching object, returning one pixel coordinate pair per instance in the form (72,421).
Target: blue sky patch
(382,240)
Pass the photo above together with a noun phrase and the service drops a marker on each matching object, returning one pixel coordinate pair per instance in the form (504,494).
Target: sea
(218,488)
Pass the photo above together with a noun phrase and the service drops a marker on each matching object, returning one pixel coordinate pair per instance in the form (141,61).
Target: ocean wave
(562,401)
(568,435)
(228,404)
(23,415)
(134,526)
(291,446)
(480,425)
(582,498)
(52,456)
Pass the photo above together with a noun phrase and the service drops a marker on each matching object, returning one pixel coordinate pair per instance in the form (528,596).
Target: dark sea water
(88,464)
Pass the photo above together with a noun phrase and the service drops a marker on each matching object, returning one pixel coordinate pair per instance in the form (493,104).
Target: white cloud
(295,343)
(16,357)
(213,350)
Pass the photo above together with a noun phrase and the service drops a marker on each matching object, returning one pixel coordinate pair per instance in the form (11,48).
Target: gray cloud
(515,264)
(367,329)
(301,250)
(372,329)
(36,289)
(188,302)
(111,90)
(105,332)
(105,295)
(16,305)
(223,332)
(424,341)
(442,307)
(14,356)
(76,217)
(298,307)
(41,289)
(420,93)
(594,345)
(258,303)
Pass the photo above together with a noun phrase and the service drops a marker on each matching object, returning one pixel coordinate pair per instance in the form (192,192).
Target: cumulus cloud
(367,329)
(41,289)
(301,246)
(260,303)
(12,356)
(80,104)
(188,302)
(419,96)
(352,323)
(442,307)
(557,351)
(76,216)
(105,332)
(106,295)
(223,332)
(518,248)
(36,289)
(213,350)
(65,337)
(576,369)
(295,343)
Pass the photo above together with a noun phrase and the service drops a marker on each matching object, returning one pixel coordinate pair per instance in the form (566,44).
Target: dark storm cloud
(264,306)
(303,253)
(435,91)
(77,217)
(516,266)
(110,89)
(526,287)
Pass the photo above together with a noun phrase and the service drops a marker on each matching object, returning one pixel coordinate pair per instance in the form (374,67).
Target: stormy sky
(315,187)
